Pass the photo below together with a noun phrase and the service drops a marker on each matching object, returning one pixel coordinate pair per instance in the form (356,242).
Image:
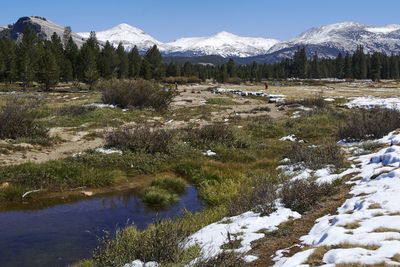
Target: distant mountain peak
(43,27)
(126,34)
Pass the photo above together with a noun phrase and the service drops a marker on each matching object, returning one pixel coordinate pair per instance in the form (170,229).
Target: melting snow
(209,153)
(374,102)
(374,208)
(246,225)
(102,105)
(108,150)
(288,138)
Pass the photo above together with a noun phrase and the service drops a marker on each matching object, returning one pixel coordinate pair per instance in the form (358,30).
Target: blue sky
(171,19)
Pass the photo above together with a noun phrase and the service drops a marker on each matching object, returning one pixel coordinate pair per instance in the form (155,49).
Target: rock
(87,193)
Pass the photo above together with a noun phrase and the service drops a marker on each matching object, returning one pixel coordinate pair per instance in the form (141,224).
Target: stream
(63,234)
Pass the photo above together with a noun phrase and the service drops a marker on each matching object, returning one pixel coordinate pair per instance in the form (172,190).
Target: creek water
(65,233)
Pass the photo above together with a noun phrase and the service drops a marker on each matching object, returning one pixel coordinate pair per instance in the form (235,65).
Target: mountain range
(328,41)
(224,44)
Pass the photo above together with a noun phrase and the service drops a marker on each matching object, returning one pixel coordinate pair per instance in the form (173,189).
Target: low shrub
(213,134)
(316,157)
(301,195)
(157,196)
(175,185)
(369,124)
(234,80)
(141,138)
(318,102)
(182,80)
(135,93)
(18,120)
(260,109)
(260,198)
(163,191)
(163,242)
(74,110)
(225,259)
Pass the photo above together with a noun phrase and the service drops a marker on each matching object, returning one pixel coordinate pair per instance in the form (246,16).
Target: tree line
(49,62)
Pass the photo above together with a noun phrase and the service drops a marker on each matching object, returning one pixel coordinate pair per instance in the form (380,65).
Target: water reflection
(62,234)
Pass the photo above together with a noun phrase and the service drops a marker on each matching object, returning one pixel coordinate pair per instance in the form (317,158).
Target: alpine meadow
(229,148)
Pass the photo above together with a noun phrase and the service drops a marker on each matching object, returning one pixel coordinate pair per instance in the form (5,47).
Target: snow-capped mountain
(127,35)
(43,27)
(223,43)
(331,39)
(327,40)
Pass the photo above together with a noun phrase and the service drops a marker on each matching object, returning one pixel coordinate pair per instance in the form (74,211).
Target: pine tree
(187,69)
(87,62)
(27,56)
(108,62)
(71,53)
(231,68)
(123,62)
(153,56)
(2,61)
(375,67)
(300,63)
(394,67)
(57,49)
(348,72)
(223,74)
(48,73)
(385,70)
(9,59)
(134,63)
(315,74)
(339,66)
(145,69)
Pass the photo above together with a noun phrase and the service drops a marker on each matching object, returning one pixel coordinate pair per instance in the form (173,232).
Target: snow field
(366,228)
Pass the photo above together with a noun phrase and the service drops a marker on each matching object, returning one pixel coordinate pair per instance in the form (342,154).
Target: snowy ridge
(327,40)
(223,43)
(345,36)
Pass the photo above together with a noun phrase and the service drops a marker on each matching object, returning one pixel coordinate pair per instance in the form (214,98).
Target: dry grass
(385,229)
(374,206)
(396,257)
(358,264)
(315,259)
(141,138)
(353,225)
(353,245)
(317,157)
(367,124)
(260,198)
(302,195)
